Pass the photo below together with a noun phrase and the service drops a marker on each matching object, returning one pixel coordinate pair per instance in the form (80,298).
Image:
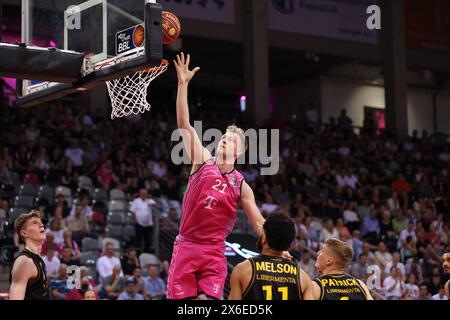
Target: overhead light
(243,103)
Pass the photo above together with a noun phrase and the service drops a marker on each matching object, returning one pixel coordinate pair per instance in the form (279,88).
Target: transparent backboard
(87,26)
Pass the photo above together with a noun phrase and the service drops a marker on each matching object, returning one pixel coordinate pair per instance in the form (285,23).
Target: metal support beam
(1,19)
(394,60)
(25,14)
(256,55)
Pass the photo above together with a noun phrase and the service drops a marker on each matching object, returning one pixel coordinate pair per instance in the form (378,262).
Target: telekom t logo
(216,288)
(211,202)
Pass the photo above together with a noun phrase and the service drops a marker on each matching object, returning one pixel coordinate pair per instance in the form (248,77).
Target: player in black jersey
(333,283)
(270,276)
(446,266)
(28,276)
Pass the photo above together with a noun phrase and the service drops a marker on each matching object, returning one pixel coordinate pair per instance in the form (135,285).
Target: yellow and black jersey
(340,287)
(273,278)
(37,289)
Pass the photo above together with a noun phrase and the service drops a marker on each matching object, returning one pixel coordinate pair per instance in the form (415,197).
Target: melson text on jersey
(280,268)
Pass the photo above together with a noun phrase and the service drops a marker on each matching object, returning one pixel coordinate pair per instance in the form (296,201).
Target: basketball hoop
(129,93)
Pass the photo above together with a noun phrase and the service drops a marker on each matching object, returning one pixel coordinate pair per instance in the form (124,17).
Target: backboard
(88,26)
(101,30)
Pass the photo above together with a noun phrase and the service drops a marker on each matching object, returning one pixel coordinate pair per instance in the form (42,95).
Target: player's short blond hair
(243,141)
(341,250)
(22,220)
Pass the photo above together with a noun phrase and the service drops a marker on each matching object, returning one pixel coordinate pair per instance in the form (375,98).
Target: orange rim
(164,64)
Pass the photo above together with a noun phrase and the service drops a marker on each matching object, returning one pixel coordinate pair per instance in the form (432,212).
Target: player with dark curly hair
(269,276)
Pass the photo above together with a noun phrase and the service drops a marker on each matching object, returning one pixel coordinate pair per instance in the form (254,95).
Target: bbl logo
(284,6)
(130,39)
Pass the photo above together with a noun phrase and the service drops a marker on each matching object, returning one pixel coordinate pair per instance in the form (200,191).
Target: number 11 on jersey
(282,290)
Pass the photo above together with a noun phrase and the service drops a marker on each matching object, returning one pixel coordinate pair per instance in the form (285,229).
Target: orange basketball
(139,36)
(171,27)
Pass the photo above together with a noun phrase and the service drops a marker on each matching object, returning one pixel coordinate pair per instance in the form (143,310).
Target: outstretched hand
(182,65)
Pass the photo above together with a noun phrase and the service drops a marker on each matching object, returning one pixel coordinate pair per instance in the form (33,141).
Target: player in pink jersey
(198,268)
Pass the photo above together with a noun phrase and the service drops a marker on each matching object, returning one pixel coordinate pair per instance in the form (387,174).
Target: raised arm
(23,270)
(251,209)
(196,152)
(252,212)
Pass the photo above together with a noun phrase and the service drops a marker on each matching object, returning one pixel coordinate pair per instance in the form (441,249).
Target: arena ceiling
(222,62)
(226,59)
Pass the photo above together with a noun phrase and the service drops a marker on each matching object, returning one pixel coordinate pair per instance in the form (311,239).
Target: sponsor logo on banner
(336,19)
(130,39)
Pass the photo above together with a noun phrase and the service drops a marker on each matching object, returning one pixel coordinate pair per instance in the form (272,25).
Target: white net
(129,94)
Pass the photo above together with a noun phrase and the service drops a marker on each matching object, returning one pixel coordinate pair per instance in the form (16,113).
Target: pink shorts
(196,269)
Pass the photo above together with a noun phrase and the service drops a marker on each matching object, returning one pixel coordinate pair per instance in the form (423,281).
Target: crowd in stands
(387,197)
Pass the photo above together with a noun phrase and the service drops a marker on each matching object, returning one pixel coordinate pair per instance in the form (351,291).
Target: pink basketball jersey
(210,204)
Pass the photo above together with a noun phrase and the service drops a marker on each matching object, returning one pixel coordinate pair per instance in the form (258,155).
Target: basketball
(171,27)
(139,36)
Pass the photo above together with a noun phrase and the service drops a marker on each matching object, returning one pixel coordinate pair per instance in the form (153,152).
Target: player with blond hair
(333,283)
(198,268)
(28,276)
